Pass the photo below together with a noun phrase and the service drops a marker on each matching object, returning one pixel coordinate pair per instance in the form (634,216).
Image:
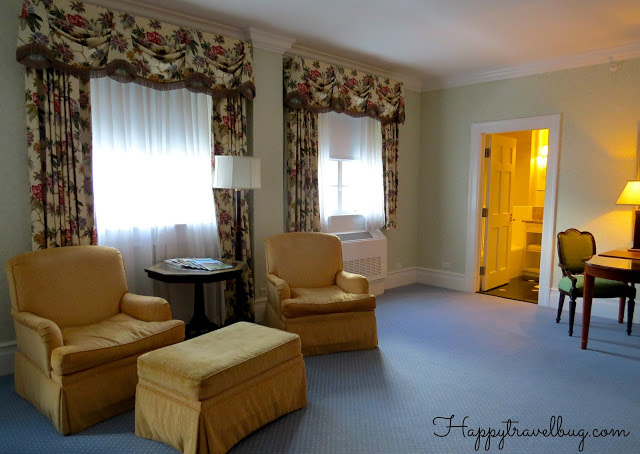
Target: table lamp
(237,173)
(631,196)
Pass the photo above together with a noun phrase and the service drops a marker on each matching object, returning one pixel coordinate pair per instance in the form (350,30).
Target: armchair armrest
(277,289)
(567,273)
(145,308)
(352,283)
(37,337)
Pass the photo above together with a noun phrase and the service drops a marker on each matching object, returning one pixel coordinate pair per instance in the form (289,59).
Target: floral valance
(322,87)
(83,39)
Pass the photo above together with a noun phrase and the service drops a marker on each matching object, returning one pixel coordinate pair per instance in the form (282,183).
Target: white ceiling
(427,43)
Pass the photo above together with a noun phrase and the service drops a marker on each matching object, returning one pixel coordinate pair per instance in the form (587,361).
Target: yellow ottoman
(205,394)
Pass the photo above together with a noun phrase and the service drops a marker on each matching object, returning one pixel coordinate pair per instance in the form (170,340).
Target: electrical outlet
(446,265)
(263,291)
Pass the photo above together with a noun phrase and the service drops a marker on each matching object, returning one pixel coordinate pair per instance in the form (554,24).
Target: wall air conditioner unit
(363,252)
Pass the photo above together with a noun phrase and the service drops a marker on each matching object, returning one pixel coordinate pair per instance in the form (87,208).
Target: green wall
(600,112)
(15,213)
(402,252)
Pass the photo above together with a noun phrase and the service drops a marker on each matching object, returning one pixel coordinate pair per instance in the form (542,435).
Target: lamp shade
(236,172)
(630,194)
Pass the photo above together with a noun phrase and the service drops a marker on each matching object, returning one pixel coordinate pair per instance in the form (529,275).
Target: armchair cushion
(304,259)
(72,286)
(602,288)
(326,300)
(112,339)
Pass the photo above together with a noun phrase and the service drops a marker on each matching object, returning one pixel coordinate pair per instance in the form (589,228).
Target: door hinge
(483,271)
(487,152)
(485,212)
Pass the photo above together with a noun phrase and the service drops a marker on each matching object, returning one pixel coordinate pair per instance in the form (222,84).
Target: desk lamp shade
(631,196)
(236,172)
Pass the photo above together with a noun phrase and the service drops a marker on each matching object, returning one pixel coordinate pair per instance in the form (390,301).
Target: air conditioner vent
(368,267)
(354,236)
(365,253)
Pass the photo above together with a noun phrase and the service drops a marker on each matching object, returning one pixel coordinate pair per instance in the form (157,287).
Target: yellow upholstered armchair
(79,333)
(310,295)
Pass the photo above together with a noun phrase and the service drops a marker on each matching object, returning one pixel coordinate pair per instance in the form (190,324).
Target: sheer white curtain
(152,183)
(357,141)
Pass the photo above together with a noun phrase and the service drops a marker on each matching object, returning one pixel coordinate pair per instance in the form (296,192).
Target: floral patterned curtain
(83,39)
(390,173)
(322,87)
(303,200)
(229,124)
(313,86)
(59,150)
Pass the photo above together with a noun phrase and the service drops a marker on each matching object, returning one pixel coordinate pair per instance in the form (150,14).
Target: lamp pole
(238,227)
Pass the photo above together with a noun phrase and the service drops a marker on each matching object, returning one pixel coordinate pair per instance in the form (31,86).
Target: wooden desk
(199,323)
(618,269)
(622,254)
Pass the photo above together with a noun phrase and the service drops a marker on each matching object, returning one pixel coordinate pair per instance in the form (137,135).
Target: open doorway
(479,131)
(513,188)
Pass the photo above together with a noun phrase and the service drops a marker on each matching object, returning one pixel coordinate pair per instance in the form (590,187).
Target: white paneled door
(501,170)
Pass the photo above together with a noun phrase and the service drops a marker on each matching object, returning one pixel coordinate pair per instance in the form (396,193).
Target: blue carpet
(441,353)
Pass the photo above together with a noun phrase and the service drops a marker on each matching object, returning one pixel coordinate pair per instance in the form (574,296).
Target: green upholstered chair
(575,246)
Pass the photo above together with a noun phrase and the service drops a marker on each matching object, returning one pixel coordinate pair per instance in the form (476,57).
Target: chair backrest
(304,259)
(573,247)
(73,286)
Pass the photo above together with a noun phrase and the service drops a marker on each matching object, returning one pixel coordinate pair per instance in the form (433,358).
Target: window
(350,169)
(152,177)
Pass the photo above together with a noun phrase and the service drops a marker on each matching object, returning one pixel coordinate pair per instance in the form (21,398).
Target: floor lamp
(237,173)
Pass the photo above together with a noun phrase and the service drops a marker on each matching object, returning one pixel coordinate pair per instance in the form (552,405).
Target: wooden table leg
(587,299)
(199,323)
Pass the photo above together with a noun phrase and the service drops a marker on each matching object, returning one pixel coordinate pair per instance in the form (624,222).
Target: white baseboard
(401,277)
(7,352)
(601,307)
(445,279)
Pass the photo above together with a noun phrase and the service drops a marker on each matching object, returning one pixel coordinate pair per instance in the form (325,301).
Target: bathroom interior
(528,190)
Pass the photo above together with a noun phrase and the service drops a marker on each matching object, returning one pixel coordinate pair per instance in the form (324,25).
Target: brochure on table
(203,264)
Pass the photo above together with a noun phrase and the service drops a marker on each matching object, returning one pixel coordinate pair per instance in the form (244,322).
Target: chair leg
(630,307)
(572,314)
(560,304)
(621,310)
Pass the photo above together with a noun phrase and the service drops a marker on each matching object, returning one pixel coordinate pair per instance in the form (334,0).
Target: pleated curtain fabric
(390,173)
(59,149)
(303,200)
(229,125)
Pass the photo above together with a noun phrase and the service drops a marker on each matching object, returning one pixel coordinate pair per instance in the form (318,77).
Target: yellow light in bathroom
(541,160)
(543,150)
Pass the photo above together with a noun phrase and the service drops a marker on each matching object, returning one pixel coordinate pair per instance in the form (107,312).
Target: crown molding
(284,44)
(595,57)
(270,41)
(410,81)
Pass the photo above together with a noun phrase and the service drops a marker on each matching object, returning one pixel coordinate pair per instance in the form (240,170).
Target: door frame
(476,174)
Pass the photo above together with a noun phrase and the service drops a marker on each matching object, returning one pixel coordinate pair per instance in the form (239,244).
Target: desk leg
(199,323)
(587,299)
